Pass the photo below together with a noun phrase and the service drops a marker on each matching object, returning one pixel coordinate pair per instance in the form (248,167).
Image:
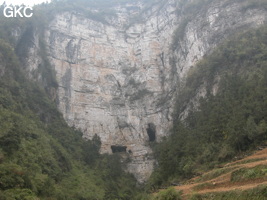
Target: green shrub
(12,176)
(18,194)
(168,194)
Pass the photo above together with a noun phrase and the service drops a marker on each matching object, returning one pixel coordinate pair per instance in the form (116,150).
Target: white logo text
(18,11)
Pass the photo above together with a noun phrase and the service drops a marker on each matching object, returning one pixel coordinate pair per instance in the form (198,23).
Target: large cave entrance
(118,148)
(151,132)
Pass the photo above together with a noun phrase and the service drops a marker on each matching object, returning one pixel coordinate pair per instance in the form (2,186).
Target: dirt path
(258,155)
(223,182)
(234,187)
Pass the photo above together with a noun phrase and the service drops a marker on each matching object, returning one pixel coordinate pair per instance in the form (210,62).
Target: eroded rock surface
(113,80)
(118,78)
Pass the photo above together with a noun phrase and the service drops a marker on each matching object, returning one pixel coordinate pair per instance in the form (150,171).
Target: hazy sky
(25,2)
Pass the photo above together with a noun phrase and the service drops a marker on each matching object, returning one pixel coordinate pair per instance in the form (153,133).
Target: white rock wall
(116,78)
(110,78)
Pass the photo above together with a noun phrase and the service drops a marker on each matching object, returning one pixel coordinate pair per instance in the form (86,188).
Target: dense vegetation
(168,194)
(226,124)
(40,156)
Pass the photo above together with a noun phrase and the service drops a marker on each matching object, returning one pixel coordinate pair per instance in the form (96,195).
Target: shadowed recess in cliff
(118,148)
(151,132)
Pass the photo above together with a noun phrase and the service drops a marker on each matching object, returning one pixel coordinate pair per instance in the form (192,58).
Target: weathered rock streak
(118,78)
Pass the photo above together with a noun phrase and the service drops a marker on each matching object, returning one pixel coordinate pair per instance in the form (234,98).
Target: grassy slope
(242,179)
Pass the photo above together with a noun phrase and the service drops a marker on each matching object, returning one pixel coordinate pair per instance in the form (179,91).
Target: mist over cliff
(116,69)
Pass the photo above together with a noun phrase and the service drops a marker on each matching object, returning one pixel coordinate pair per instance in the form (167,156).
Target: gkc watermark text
(22,11)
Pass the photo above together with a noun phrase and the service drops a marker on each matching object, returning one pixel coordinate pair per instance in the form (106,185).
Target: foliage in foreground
(168,194)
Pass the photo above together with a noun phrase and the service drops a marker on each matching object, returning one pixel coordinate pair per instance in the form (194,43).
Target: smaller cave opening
(151,132)
(118,148)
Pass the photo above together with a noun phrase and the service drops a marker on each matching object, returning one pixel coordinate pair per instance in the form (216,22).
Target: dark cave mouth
(118,148)
(151,132)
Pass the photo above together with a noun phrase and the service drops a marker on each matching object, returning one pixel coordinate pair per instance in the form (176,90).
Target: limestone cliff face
(113,80)
(118,78)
